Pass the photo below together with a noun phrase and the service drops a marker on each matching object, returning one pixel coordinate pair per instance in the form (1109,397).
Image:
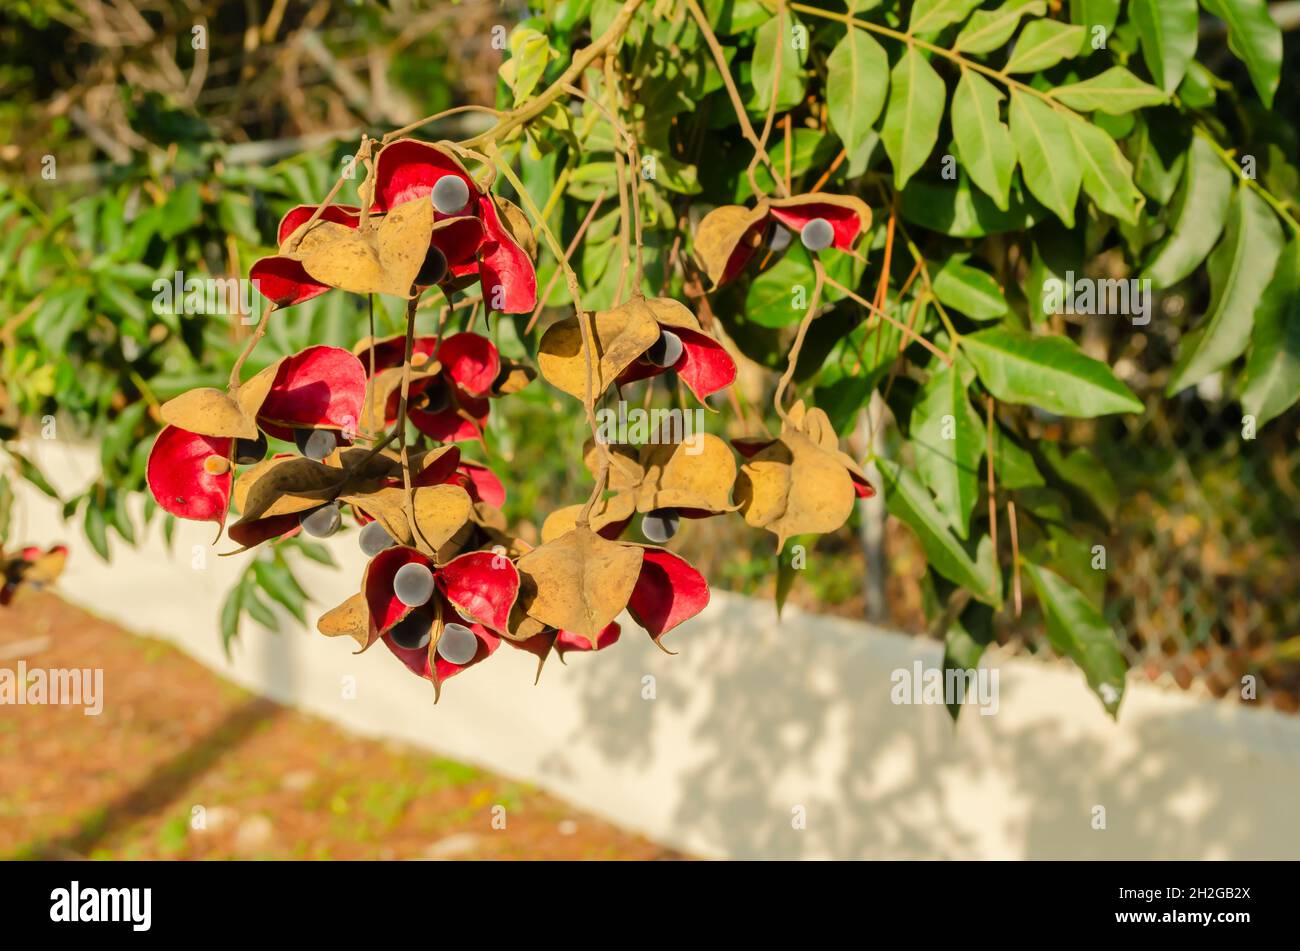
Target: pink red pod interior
(320,387)
(668,591)
(178,479)
(704,366)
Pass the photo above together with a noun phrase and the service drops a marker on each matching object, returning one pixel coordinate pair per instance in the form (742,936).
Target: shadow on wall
(801,716)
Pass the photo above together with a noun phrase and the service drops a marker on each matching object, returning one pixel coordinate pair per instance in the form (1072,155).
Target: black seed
(322,522)
(660,525)
(665,351)
(315,443)
(374,539)
(412,632)
(434,268)
(457,644)
(249,452)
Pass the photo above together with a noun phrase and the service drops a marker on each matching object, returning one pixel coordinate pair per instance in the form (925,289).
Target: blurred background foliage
(150,137)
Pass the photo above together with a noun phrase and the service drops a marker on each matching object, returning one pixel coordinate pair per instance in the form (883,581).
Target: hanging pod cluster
(446,582)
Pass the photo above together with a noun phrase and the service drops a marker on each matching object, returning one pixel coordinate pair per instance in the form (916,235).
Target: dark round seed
(322,522)
(780,237)
(374,539)
(665,351)
(434,268)
(450,194)
(660,525)
(315,443)
(412,631)
(413,584)
(249,452)
(817,234)
(432,399)
(457,645)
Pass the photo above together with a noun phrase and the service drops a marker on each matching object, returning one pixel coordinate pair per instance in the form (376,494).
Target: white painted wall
(751,720)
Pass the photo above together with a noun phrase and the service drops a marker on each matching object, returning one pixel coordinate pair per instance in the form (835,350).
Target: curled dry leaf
(608,517)
(32,569)
(800,482)
(349,619)
(382,256)
(696,476)
(272,495)
(579,582)
(704,365)
(726,238)
(621,336)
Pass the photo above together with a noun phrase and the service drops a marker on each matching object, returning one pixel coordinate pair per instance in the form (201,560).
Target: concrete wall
(752,722)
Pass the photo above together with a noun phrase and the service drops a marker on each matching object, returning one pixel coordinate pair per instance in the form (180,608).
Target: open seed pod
(281,278)
(31,570)
(580,582)
(627,337)
(693,479)
(729,236)
(475,591)
(450,380)
(408,171)
(191,470)
(801,482)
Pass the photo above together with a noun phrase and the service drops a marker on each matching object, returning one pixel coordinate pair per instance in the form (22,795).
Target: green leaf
(1091,14)
(1046,371)
(916,99)
(948,439)
(1047,154)
(530,53)
(1272,379)
(988,30)
(258,609)
(1255,38)
(317,553)
(1084,476)
(32,473)
(1199,87)
(1107,174)
(960,211)
(1078,631)
(1044,43)
(1013,465)
(775,38)
(931,16)
(183,211)
(1240,269)
(1115,92)
(968,290)
(120,518)
(983,142)
(857,81)
(277,581)
(965,641)
(770,302)
(734,16)
(1158,150)
(1167,29)
(96,527)
(908,500)
(230,611)
(1197,217)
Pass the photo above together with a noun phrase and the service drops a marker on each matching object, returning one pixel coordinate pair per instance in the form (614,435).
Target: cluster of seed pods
(446,581)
